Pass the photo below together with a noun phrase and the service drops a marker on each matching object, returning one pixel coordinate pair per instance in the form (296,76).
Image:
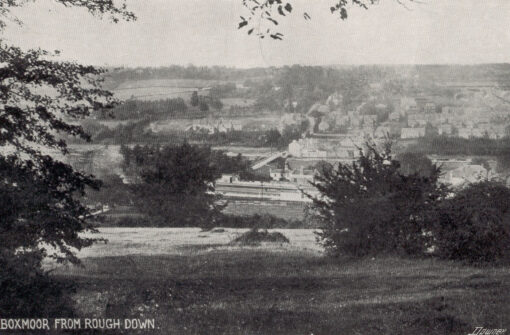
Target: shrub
(474,225)
(256,236)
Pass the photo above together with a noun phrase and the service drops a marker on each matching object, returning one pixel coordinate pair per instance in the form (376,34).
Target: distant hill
(498,74)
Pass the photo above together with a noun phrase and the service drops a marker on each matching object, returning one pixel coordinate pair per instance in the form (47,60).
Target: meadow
(195,282)
(155,89)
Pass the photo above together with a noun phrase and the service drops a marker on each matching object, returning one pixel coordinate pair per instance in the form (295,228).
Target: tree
(194,99)
(203,106)
(272,138)
(176,185)
(370,207)
(411,163)
(474,225)
(38,98)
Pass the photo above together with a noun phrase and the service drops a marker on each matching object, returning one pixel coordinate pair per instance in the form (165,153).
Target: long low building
(277,191)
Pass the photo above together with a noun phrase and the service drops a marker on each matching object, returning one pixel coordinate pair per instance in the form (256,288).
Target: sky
(204,32)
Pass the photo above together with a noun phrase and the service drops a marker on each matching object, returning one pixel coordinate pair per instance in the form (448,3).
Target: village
(336,135)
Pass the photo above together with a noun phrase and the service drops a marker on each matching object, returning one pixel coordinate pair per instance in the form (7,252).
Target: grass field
(213,288)
(156,89)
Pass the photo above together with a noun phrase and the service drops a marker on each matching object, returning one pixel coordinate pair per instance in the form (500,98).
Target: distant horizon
(307,65)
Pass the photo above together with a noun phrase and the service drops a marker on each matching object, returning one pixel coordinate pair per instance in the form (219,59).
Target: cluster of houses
(212,126)
(300,176)
(343,147)
(464,122)
(408,118)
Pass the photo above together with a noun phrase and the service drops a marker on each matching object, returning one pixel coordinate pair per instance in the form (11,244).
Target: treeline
(119,75)
(139,109)
(235,137)
(269,138)
(281,140)
(443,145)
(222,90)
(132,131)
(140,132)
(139,157)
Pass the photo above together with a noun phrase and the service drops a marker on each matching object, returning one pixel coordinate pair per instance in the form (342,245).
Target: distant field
(156,89)
(207,289)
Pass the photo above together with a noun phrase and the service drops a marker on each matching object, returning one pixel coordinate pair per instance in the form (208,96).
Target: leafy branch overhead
(264,16)
(112,8)
(39,96)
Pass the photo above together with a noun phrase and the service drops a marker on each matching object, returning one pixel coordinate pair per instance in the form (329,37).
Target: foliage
(95,7)
(39,188)
(237,137)
(32,116)
(274,138)
(132,131)
(370,207)
(444,145)
(308,84)
(28,291)
(264,15)
(175,184)
(411,163)
(119,75)
(223,164)
(113,192)
(474,225)
(154,110)
(194,101)
(38,206)
(503,162)
(39,215)
(222,90)
(203,106)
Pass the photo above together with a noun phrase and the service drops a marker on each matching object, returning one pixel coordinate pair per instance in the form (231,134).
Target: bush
(256,236)
(474,225)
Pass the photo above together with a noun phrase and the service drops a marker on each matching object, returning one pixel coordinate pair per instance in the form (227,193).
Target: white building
(407,133)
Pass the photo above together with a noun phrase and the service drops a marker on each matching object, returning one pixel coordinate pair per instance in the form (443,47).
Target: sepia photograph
(255,167)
